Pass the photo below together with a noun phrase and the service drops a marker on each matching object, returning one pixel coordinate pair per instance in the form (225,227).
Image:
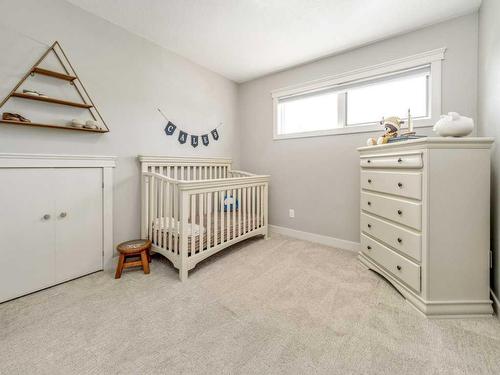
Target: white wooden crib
(194,207)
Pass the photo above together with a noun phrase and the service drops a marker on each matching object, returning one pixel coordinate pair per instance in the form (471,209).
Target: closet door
(27,231)
(78,222)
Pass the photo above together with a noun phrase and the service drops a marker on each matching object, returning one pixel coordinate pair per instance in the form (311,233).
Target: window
(357,101)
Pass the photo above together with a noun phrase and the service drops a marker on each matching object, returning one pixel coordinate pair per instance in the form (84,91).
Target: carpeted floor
(280,306)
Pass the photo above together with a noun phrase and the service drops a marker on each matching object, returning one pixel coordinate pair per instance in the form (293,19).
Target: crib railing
(189,220)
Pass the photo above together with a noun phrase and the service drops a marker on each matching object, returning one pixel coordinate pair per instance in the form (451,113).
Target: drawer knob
(400,160)
(369,225)
(369,203)
(400,212)
(398,267)
(369,181)
(63,214)
(368,161)
(46,217)
(369,247)
(400,240)
(400,184)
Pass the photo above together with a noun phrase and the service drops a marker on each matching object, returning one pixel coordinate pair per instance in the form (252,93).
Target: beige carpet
(280,306)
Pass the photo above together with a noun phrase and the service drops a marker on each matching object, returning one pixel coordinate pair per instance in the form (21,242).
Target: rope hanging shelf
(68,75)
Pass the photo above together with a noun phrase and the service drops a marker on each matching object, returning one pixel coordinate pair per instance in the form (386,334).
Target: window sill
(371,128)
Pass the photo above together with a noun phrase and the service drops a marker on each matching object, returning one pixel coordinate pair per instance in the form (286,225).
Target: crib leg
(266,235)
(183,273)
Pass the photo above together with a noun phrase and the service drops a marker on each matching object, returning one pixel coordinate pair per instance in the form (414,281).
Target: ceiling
(245,39)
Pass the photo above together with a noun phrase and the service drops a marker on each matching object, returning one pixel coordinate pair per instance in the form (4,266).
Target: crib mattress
(225,231)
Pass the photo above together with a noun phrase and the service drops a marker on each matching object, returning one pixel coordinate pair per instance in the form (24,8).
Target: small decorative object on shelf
(34,93)
(77,123)
(454,125)
(97,123)
(14,117)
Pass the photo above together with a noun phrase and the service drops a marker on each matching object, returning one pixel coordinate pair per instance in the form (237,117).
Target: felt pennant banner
(182,137)
(170,129)
(205,140)
(194,140)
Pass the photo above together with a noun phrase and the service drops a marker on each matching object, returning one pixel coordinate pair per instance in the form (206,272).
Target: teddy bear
(392,126)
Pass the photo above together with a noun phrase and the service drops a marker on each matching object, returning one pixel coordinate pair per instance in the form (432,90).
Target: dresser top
(434,142)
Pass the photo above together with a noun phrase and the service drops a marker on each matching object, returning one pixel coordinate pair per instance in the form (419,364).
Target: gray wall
(127,78)
(319,177)
(489,114)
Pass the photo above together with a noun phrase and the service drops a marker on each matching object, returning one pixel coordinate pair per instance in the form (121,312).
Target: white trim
(366,72)
(433,58)
(317,238)
(429,142)
(496,303)
(172,160)
(8,160)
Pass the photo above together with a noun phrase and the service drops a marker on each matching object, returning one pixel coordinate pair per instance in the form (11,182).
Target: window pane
(392,97)
(307,113)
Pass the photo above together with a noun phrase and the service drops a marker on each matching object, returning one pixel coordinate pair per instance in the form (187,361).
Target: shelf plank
(51,73)
(53,126)
(51,100)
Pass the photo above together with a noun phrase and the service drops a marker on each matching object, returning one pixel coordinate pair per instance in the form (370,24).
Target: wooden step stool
(130,249)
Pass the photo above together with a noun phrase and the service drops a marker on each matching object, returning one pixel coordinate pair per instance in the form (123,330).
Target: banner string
(166,118)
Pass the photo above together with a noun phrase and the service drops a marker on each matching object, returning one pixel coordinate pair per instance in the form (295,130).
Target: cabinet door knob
(369,247)
(400,184)
(398,267)
(63,214)
(400,212)
(368,161)
(46,217)
(369,225)
(369,181)
(369,203)
(400,160)
(400,240)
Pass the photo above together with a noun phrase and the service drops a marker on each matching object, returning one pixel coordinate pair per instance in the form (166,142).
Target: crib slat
(257,225)
(228,217)
(151,216)
(175,226)
(253,207)
(234,214)
(201,213)
(193,221)
(243,208)
(238,213)
(216,217)
(209,219)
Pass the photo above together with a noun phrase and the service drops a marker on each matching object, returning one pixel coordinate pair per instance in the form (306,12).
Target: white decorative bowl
(454,125)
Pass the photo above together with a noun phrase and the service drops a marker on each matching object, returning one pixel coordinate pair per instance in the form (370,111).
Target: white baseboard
(317,238)
(496,304)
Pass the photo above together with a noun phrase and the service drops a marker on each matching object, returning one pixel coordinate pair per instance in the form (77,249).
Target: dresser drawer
(393,161)
(404,184)
(398,210)
(401,239)
(397,265)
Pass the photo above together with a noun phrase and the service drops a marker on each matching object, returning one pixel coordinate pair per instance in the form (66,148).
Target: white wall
(319,177)
(489,113)
(127,78)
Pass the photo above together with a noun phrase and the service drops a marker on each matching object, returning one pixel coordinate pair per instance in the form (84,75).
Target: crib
(193,208)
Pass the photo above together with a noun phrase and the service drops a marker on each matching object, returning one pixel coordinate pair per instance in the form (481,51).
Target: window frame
(431,58)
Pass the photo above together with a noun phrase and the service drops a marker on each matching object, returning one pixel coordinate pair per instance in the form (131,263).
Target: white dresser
(425,221)
(55,221)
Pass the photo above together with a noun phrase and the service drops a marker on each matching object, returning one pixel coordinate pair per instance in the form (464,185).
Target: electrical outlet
(291,212)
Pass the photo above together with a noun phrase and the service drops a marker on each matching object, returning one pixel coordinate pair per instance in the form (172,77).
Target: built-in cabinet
(55,222)
(425,221)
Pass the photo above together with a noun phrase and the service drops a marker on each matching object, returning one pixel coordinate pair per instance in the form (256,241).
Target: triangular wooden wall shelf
(70,76)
